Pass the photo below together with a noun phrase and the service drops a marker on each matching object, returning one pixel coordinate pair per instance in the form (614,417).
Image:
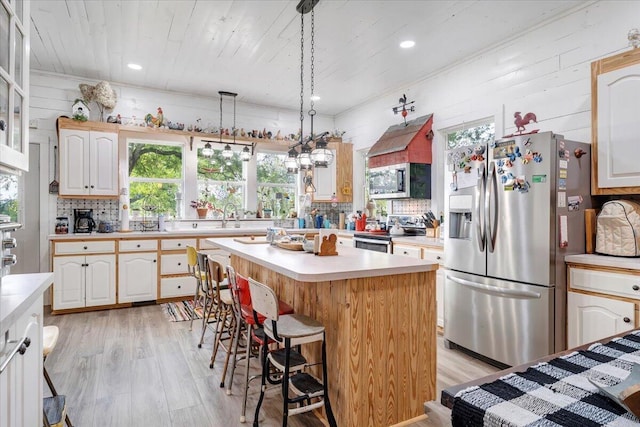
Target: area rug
(181,311)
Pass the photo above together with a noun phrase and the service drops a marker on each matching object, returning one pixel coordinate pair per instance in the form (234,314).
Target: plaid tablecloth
(555,393)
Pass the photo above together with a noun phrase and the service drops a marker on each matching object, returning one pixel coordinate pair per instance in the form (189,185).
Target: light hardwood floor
(132,367)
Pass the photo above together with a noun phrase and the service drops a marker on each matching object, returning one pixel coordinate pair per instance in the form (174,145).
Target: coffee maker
(83,221)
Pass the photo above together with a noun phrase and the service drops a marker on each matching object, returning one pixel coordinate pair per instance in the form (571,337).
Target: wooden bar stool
(194,270)
(54,407)
(220,305)
(290,330)
(245,321)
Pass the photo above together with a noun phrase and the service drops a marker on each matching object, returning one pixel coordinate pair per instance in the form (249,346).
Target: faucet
(224,215)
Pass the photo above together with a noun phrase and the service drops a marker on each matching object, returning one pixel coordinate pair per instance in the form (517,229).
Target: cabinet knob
(154,260)
(86,186)
(438,257)
(405,252)
(179,244)
(179,286)
(85,248)
(138,245)
(92,186)
(635,287)
(179,263)
(626,320)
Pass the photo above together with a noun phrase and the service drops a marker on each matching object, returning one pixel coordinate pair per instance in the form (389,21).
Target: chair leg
(263,386)
(285,382)
(195,304)
(232,335)
(246,375)
(209,308)
(49,383)
(221,320)
(325,383)
(234,346)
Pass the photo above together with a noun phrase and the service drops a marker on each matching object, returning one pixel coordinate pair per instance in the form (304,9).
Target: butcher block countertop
(604,261)
(350,263)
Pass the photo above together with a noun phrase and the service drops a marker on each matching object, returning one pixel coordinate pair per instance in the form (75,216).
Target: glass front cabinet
(14,84)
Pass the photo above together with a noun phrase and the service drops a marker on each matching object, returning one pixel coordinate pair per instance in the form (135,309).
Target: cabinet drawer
(177,286)
(100,246)
(344,241)
(138,245)
(624,285)
(410,251)
(433,255)
(173,264)
(173,244)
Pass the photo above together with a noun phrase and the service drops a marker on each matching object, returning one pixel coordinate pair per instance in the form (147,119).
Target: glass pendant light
(321,156)
(245,154)
(227,153)
(291,161)
(304,158)
(207,151)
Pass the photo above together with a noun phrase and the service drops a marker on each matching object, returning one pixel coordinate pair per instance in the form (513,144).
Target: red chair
(245,320)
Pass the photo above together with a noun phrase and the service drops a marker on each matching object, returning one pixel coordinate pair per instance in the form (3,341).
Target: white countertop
(18,292)
(350,263)
(419,240)
(205,232)
(604,261)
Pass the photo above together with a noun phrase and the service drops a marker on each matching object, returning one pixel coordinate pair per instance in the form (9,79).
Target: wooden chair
(54,407)
(194,270)
(219,310)
(289,331)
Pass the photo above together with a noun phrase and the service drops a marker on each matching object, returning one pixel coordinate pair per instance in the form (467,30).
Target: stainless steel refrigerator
(514,210)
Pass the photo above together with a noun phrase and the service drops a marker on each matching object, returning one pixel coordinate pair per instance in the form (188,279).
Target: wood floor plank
(168,381)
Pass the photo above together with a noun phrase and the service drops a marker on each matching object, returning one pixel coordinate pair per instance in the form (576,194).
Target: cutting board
(248,240)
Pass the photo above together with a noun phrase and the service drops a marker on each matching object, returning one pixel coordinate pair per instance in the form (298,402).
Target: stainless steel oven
(7,259)
(372,242)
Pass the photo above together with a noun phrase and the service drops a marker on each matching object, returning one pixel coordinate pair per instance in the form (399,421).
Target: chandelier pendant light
(308,157)
(227,152)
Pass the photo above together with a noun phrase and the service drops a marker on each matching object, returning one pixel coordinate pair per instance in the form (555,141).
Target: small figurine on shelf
(80,110)
(157,121)
(243,134)
(279,136)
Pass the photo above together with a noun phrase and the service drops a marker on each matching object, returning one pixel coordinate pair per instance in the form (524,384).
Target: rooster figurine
(155,121)
(521,122)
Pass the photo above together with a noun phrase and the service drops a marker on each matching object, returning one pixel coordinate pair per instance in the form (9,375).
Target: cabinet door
(137,277)
(74,160)
(591,318)
(618,127)
(103,164)
(100,280)
(410,251)
(324,179)
(68,282)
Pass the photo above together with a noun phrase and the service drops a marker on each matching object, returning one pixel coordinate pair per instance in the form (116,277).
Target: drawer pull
(636,287)
(138,245)
(179,286)
(85,248)
(626,320)
(179,244)
(438,257)
(154,260)
(405,252)
(179,263)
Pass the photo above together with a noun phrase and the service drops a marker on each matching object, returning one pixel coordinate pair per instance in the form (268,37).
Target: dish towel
(555,393)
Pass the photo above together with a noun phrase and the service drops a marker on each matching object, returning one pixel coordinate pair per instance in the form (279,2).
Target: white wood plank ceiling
(253,47)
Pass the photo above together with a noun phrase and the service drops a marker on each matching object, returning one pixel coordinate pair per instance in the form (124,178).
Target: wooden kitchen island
(379,312)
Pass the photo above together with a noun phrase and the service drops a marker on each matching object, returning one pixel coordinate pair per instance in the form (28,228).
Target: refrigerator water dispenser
(460,225)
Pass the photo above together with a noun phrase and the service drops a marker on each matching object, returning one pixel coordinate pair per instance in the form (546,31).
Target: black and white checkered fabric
(555,393)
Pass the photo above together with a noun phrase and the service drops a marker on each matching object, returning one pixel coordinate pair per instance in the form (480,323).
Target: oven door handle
(373,241)
(21,347)
(511,293)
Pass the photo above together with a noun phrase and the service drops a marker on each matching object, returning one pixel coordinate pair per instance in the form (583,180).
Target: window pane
(471,136)
(271,169)
(279,199)
(4,38)
(19,58)
(221,193)
(217,168)
(148,160)
(17,122)
(9,196)
(161,197)
(4,111)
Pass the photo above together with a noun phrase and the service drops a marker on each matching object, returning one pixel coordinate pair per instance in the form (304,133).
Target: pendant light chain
(301,75)
(312,111)
(220,132)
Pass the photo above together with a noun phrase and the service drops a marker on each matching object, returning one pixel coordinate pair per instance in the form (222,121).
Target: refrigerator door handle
(491,197)
(496,290)
(479,221)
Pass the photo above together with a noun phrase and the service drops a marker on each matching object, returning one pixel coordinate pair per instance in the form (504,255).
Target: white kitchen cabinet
(137,277)
(84,281)
(591,318)
(324,179)
(21,382)
(615,88)
(88,163)
(344,241)
(407,250)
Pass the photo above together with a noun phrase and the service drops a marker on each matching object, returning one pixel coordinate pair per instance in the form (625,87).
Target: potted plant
(201,206)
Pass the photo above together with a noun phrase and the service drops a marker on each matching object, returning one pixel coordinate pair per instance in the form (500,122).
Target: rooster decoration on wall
(404,108)
(521,122)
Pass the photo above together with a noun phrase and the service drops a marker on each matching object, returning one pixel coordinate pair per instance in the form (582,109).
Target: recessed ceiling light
(315,98)
(135,66)
(407,44)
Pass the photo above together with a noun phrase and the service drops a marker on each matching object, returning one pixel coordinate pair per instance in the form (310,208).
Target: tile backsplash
(106,210)
(411,206)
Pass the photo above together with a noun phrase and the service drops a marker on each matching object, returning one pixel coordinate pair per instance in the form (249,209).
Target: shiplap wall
(546,71)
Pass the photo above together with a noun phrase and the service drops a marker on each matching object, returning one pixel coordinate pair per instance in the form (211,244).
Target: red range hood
(404,144)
